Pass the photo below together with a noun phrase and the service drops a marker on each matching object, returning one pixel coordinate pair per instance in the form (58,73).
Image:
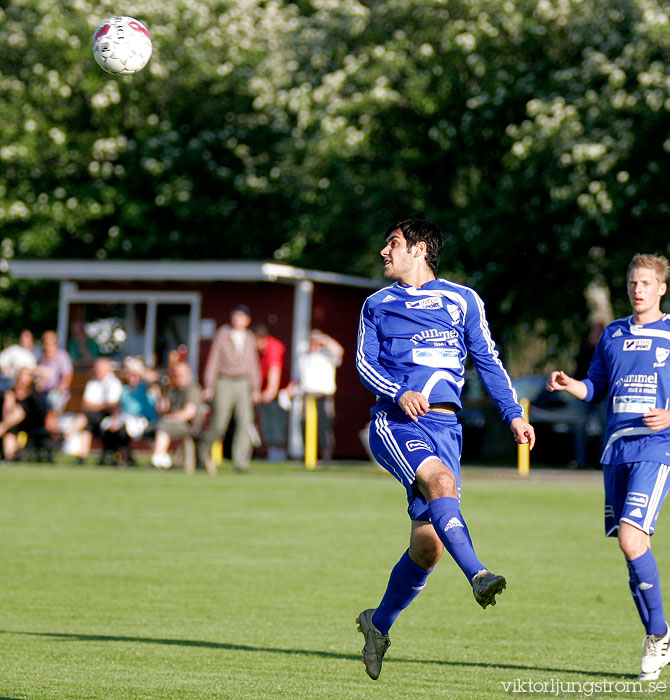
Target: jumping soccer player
(413,339)
(631,367)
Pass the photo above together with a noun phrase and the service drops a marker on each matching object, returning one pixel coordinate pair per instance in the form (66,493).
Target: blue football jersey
(630,368)
(419,339)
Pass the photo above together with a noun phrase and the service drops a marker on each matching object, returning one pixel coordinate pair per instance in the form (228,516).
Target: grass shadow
(228,646)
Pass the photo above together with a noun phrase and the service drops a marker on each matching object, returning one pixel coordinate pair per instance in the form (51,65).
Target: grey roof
(168,270)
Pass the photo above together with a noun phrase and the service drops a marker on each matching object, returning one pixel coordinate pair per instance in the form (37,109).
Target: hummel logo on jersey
(454,522)
(389,297)
(433,335)
(617,333)
(637,344)
(635,513)
(644,586)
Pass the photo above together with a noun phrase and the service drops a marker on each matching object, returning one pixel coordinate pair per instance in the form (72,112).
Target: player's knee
(437,482)
(438,485)
(633,542)
(631,550)
(426,555)
(425,547)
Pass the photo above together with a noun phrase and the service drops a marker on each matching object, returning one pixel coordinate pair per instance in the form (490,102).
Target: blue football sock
(637,597)
(648,587)
(406,581)
(445,514)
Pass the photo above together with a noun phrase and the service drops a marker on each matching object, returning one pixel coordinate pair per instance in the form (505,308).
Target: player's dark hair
(416,230)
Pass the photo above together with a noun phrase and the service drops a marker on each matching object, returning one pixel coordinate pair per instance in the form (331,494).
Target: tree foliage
(536,133)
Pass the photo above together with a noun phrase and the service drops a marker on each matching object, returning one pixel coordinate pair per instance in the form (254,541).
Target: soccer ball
(121,45)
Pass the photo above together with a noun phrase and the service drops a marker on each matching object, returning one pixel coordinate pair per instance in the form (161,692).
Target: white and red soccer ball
(122,45)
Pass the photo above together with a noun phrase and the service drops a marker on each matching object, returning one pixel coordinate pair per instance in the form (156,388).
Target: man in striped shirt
(232,378)
(413,340)
(631,370)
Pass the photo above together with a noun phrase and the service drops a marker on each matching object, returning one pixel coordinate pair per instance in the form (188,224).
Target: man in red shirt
(273,419)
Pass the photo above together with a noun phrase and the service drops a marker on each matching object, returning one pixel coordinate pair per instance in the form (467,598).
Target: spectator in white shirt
(317,378)
(21,354)
(101,396)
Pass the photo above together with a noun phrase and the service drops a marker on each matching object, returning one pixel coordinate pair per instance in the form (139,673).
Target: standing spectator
(21,354)
(134,329)
(82,348)
(101,397)
(233,379)
(317,377)
(135,413)
(273,418)
(179,411)
(53,379)
(22,410)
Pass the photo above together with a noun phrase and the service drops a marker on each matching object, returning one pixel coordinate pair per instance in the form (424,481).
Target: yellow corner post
(311,432)
(523,450)
(217,452)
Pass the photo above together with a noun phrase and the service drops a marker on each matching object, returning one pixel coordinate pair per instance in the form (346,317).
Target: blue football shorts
(402,445)
(634,493)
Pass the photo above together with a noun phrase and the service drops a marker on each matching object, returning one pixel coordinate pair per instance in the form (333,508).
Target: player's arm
(594,387)
(485,357)
(560,381)
(371,372)
(523,431)
(414,404)
(493,374)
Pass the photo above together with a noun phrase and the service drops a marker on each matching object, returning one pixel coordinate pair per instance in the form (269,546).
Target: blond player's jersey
(631,369)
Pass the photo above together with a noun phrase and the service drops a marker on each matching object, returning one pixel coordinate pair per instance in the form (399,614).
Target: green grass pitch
(139,584)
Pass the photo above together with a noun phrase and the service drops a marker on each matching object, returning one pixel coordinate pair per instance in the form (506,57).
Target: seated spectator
(135,414)
(21,354)
(132,363)
(22,411)
(101,397)
(53,379)
(179,410)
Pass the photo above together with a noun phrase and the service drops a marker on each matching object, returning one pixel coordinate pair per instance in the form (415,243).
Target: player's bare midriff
(444,407)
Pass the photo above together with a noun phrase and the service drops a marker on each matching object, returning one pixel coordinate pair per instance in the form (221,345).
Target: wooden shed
(151,307)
